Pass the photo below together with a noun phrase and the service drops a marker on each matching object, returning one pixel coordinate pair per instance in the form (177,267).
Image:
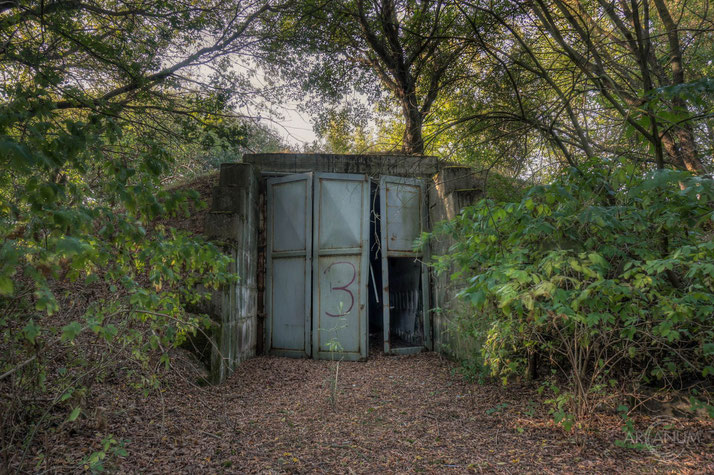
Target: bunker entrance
(342,275)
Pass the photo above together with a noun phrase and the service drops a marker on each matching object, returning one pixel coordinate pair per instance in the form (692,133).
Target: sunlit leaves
(598,255)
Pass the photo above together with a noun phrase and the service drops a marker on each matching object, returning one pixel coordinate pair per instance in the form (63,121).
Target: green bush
(92,287)
(606,275)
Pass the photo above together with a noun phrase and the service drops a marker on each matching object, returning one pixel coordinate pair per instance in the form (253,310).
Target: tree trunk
(685,151)
(413,142)
(532,370)
(687,146)
(681,150)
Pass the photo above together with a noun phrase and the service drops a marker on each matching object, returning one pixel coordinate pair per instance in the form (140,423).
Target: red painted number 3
(343,287)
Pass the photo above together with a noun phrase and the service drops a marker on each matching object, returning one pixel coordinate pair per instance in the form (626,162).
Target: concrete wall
(232,223)
(453,189)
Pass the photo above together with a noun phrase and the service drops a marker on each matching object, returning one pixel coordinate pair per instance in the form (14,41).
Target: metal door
(403,218)
(289,258)
(340,266)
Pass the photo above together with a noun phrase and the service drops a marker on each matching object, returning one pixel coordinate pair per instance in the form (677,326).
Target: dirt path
(392,414)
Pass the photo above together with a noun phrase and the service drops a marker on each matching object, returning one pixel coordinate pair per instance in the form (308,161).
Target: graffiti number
(343,288)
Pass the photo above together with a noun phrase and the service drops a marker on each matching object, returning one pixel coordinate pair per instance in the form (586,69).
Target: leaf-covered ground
(392,414)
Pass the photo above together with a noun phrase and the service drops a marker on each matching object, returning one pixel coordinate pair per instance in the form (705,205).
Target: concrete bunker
(324,247)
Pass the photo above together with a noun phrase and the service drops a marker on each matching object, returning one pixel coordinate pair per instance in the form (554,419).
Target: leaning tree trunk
(680,145)
(681,150)
(687,145)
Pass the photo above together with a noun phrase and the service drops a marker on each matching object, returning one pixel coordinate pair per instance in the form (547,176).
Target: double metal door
(317,266)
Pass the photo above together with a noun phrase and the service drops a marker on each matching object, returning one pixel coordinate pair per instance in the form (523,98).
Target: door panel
(341,266)
(340,206)
(289,259)
(340,297)
(405,279)
(288,304)
(403,215)
(290,208)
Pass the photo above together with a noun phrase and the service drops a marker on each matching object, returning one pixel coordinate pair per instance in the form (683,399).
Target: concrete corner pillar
(232,224)
(453,189)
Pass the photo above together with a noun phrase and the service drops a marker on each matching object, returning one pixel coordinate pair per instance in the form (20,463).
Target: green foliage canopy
(401,54)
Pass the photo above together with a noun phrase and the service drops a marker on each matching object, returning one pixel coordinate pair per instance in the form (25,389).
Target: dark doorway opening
(406,310)
(403,294)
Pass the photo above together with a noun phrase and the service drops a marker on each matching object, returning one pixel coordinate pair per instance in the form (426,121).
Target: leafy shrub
(607,275)
(90,286)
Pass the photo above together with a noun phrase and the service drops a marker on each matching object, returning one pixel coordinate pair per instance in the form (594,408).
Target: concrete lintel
(372,165)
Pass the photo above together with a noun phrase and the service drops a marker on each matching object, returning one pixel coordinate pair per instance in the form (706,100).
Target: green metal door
(340,266)
(289,266)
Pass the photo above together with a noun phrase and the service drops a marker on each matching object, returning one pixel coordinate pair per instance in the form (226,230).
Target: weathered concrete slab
(372,165)
(237,174)
(457,178)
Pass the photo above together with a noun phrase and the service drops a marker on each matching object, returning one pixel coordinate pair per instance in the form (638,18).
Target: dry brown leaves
(393,414)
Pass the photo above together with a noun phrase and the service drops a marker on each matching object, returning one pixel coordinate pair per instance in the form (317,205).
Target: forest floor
(390,414)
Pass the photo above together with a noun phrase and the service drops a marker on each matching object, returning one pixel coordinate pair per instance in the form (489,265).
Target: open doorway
(406,305)
(398,294)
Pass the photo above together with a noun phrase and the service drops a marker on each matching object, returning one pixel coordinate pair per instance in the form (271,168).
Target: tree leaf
(70,331)
(31,331)
(7,287)
(74,414)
